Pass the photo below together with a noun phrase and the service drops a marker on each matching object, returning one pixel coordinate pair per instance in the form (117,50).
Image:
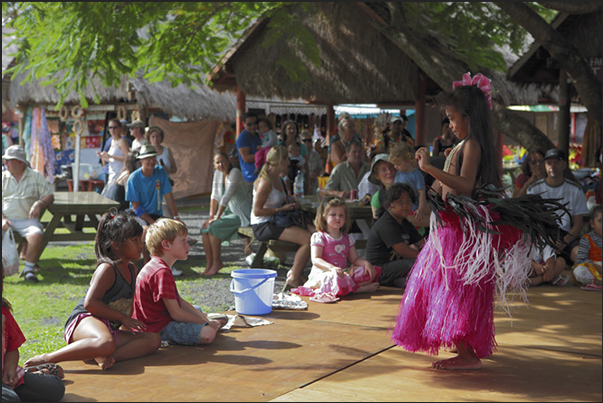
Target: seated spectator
(229,209)
(346,133)
(556,186)
(17,384)
(393,242)
(145,189)
(532,170)
(547,268)
(315,164)
(269,198)
(383,174)
(101,327)
(444,142)
(403,158)
(587,270)
(157,302)
(347,175)
(25,196)
(396,134)
(290,136)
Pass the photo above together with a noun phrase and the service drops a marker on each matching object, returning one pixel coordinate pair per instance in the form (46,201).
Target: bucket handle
(232,290)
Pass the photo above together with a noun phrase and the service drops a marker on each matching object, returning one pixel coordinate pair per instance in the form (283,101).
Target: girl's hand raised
(133,325)
(422,158)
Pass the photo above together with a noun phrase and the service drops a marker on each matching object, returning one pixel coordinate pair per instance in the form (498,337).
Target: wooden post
(564,113)
(420,112)
(330,122)
(240,109)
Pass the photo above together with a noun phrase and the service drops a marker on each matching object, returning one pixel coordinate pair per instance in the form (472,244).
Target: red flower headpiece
(482,82)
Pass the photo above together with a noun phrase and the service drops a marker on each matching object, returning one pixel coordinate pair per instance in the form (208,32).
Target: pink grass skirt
(448,299)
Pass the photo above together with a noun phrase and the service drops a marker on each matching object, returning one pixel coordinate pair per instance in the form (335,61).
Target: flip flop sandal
(591,287)
(47,369)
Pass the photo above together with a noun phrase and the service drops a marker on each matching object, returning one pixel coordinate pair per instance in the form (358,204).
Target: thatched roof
(358,64)
(33,92)
(581,30)
(184,102)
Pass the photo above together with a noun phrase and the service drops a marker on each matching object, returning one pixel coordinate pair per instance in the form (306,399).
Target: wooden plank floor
(551,351)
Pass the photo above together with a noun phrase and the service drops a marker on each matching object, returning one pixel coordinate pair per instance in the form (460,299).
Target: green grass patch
(41,309)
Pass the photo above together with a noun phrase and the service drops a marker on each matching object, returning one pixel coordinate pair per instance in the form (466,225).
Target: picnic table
(80,204)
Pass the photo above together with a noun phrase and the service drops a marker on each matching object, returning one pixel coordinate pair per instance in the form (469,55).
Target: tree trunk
(442,66)
(565,54)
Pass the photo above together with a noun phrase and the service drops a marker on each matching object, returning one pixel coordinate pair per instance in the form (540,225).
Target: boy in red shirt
(156,300)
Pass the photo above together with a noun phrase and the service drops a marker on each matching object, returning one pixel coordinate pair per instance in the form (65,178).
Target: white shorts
(26,227)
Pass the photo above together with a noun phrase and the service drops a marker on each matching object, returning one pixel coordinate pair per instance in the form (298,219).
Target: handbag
(10,254)
(286,219)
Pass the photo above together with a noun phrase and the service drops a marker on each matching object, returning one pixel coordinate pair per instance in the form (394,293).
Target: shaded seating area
(549,351)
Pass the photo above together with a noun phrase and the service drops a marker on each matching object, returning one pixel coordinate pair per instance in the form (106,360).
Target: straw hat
(15,152)
(137,123)
(147,151)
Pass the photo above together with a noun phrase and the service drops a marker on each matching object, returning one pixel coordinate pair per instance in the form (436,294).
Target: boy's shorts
(185,334)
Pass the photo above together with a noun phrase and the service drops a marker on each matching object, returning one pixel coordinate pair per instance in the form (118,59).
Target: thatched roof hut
(185,102)
(358,65)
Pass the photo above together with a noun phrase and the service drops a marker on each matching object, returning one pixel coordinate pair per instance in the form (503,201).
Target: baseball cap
(555,153)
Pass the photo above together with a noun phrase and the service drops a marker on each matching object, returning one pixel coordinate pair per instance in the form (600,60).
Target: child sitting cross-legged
(156,300)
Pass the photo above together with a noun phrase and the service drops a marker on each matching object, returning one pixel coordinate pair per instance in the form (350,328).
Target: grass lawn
(42,309)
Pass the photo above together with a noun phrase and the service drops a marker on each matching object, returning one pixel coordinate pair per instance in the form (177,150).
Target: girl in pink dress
(332,247)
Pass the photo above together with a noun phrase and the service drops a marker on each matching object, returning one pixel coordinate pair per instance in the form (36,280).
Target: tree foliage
(66,44)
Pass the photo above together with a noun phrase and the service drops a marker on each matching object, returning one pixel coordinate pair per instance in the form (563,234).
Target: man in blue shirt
(247,144)
(145,190)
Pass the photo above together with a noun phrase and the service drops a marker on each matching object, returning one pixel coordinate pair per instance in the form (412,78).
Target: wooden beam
(564,112)
(240,109)
(420,112)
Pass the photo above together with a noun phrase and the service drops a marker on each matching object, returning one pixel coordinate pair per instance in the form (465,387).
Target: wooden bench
(279,246)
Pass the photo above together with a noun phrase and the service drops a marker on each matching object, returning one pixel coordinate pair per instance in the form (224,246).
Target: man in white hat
(25,195)
(145,190)
(137,131)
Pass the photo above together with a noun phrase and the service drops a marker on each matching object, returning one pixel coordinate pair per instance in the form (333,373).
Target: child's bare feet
(458,363)
(37,360)
(105,362)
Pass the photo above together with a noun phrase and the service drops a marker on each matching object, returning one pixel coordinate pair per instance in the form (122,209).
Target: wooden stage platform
(550,351)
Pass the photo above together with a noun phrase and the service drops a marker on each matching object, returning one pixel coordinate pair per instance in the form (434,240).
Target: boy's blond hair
(164,229)
(401,152)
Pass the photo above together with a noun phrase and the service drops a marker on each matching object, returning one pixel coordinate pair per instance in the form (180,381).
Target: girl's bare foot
(37,360)
(105,362)
(458,363)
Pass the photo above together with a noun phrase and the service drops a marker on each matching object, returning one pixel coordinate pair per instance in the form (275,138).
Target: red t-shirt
(12,339)
(154,283)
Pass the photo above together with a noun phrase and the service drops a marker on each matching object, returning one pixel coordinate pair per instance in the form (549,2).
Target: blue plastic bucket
(253,290)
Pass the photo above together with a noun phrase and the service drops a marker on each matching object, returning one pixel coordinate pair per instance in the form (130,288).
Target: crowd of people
(449,279)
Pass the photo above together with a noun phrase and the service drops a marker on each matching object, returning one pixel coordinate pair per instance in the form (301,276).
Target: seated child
(331,248)
(587,270)
(269,140)
(157,303)
(18,384)
(403,157)
(547,268)
(295,155)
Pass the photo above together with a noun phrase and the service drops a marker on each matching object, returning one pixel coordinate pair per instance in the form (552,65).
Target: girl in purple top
(331,248)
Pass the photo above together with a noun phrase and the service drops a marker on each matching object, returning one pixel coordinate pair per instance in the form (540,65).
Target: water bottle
(298,186)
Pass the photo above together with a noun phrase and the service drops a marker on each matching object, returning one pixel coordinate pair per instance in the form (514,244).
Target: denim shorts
(185,334)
